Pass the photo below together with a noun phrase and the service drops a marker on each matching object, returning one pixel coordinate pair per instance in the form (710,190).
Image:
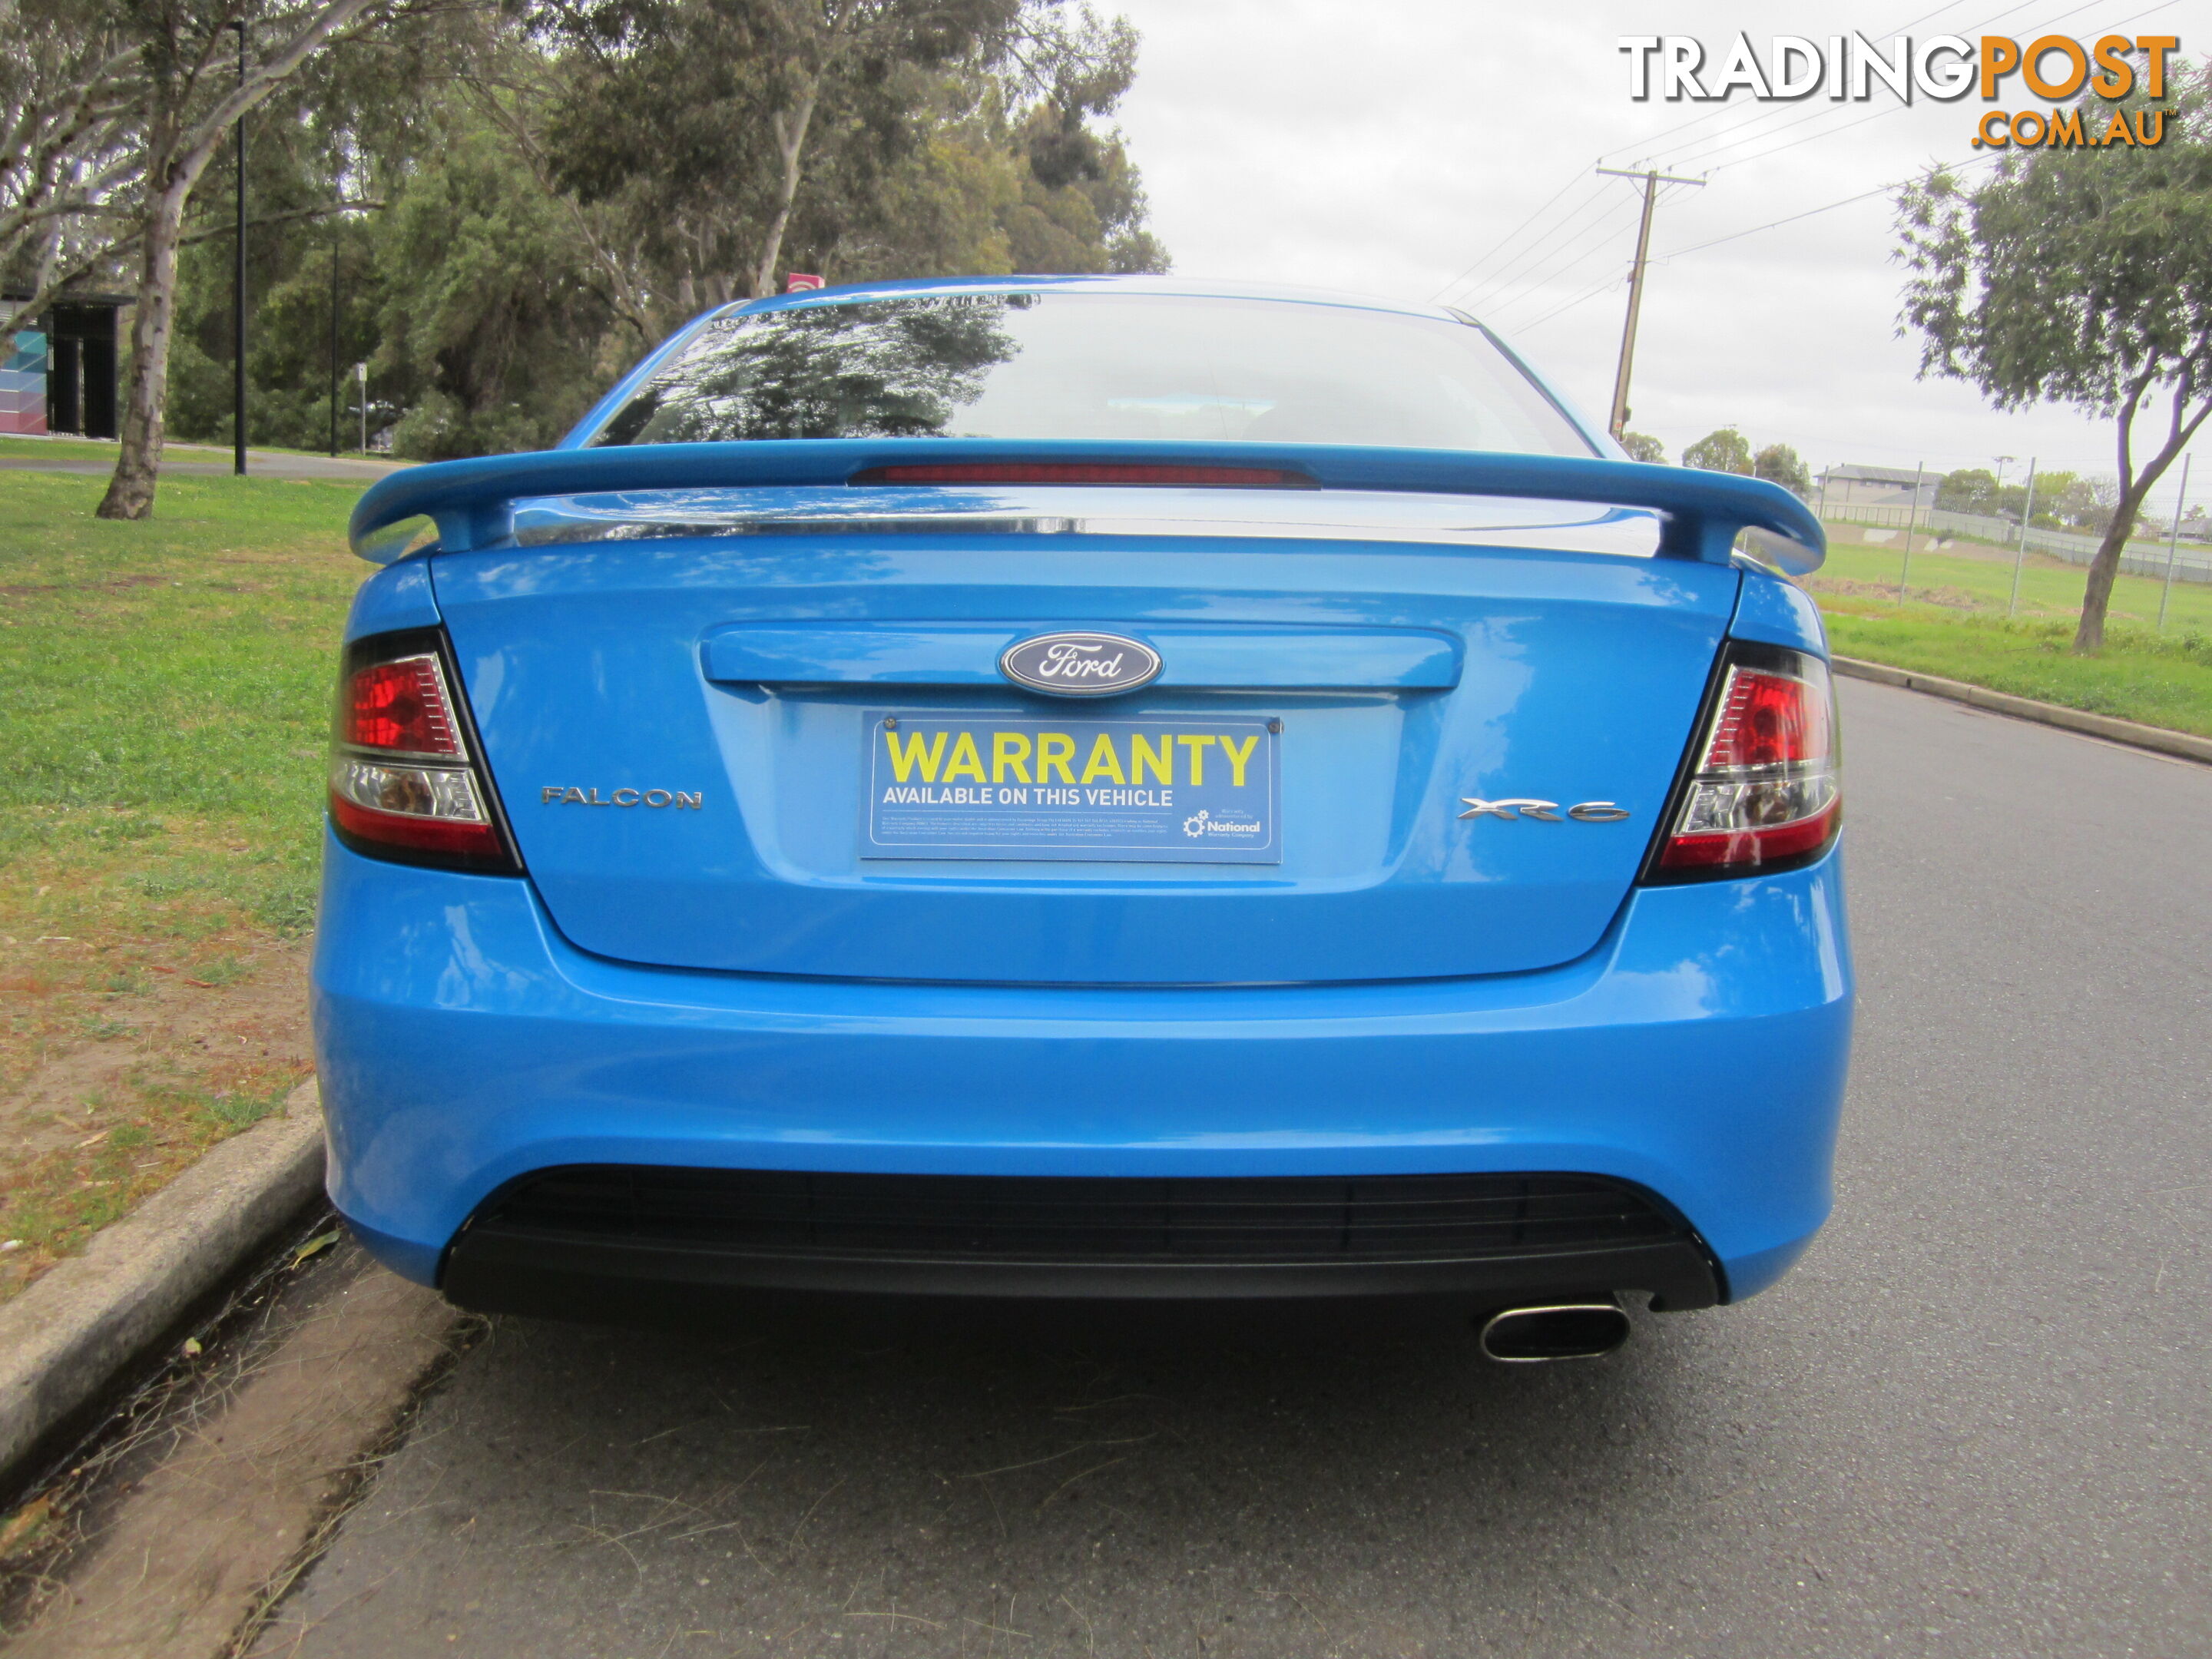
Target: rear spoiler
(472,502)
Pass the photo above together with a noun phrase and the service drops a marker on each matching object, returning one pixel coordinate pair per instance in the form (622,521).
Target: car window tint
(1133,368)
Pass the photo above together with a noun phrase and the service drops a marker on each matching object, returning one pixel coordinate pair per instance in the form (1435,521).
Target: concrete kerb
(2183,744)
(74,1334)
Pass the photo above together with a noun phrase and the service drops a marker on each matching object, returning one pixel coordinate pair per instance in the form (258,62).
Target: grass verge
(164,689)
(2138,677)
(1952,622)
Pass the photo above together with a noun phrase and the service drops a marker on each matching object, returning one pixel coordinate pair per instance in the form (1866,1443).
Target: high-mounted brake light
(1087,472)
(403,784)
(1764,794)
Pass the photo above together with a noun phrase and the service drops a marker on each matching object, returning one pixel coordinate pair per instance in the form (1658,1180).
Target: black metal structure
(238,287)
(83,359)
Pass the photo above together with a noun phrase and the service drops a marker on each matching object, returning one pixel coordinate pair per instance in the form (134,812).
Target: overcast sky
(1390,145)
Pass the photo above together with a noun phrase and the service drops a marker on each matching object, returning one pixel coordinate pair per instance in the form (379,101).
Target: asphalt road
(1973,1422)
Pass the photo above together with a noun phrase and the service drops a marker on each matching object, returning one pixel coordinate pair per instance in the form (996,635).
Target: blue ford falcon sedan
(1084,789)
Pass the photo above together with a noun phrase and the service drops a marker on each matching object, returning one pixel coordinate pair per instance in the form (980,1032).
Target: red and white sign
(798,281)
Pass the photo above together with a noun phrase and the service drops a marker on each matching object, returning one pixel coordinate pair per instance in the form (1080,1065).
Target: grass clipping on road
(1953,624)
(164,705)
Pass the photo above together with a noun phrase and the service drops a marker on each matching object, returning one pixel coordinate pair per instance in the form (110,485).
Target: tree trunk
(2089,635)
(177,152)
(145,400)
(2096,592)
(790,139)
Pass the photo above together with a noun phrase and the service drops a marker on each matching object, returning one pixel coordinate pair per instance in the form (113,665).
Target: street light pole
(337,224)
(1618,423)
(238,285)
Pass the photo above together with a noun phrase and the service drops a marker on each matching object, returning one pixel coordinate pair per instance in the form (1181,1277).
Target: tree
(1778,463)
(494,323)
(1725,451)
(1642,446)
(704,145)
(2079,503)
(188,97)
(69,79)
(1969,489)
(693,124)
(492,305)
(2080,274)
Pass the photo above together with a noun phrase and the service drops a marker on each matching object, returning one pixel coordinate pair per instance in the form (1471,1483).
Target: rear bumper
(610,1239)
(1698,1053)
(569,1278)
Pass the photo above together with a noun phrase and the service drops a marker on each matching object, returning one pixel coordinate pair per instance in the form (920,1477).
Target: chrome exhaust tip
(1557,1330)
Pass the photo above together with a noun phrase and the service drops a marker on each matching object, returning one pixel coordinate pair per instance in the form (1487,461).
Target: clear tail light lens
(404,783)
(1765,794)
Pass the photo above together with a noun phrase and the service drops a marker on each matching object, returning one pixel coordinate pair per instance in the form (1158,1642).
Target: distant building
(1879,486)
(58,369)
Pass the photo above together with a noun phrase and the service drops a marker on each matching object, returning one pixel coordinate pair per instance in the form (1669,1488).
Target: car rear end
(935,834)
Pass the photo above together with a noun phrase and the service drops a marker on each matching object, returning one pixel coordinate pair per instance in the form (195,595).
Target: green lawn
(60,449)
(1981,579)
(2138,677)
(179,662)
(165,690)
(1953,623)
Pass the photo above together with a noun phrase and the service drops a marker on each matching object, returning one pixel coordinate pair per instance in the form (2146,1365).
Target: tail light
(406,783)
(1764,793)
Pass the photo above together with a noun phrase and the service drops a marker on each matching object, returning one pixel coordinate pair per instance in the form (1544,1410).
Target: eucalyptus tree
(70,81)
(706,145)
(201,67)
(2080,275)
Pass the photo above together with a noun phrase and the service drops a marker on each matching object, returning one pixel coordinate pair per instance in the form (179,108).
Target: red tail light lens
(1087,472)
(400,705)
(403,782)
(1765,792)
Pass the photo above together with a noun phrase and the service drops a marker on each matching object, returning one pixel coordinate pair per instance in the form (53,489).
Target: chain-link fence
(1962,563)
(2143,556)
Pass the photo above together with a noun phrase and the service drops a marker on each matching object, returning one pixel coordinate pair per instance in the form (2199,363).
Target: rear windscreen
(1119,367)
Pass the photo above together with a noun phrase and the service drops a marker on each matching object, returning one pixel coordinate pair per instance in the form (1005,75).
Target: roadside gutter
(72,1338)
(2184,745)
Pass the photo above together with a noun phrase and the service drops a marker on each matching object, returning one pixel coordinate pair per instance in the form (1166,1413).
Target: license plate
(943,786)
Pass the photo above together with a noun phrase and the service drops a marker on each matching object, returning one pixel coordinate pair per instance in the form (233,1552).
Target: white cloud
(1389,145)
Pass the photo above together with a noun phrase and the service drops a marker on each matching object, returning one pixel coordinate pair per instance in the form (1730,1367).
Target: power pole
(238,289)
(1618,423)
